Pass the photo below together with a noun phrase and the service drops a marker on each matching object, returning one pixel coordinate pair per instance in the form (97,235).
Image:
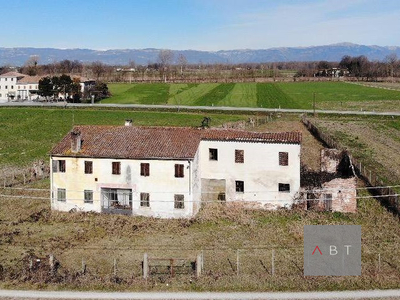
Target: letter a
(316,247)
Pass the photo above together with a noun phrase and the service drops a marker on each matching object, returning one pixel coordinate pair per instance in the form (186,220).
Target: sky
(197,24)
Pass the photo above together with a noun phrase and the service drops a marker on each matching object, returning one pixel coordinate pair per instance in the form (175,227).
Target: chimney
(128,122)
(76,141)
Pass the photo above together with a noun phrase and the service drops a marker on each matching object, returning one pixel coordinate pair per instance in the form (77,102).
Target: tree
(391,61)
(98,69)
(165,58)
(30,66)
(182,61)
(46,87)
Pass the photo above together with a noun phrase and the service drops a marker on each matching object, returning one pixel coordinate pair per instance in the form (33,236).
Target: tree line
(168,68)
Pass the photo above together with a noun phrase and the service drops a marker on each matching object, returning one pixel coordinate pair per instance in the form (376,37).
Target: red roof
(158,142)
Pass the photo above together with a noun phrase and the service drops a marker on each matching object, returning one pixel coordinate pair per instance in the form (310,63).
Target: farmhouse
(14,85)
(169,172)
(18,86)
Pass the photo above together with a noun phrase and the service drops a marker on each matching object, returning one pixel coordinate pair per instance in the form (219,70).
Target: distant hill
(18,56)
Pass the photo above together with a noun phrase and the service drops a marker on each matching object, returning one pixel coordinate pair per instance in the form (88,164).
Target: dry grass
(28,227)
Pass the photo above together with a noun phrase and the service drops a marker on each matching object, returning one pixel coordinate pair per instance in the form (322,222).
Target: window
(179,170)
(88,196)
(61,195)
(12,87)
(239,156)
(179,202)
(144,169)
(239,186)
(59,166)
(6,86)
(284,187)
(144,200)
(221,197)
(88,167)
(213,154)
(283,158)
(116,167)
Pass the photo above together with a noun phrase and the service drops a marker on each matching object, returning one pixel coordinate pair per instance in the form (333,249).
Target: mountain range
(18,56)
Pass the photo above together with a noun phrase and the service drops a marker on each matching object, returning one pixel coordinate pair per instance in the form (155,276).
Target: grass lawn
(28,134)
(328,95)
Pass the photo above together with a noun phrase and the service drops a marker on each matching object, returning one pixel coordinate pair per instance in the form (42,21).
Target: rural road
(194,108)
(372,294)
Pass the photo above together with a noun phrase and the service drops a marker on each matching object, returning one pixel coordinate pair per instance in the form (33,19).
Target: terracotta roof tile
(158,142)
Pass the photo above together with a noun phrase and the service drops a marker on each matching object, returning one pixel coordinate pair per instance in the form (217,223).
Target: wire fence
(17,176)
(387,193)
(123,264)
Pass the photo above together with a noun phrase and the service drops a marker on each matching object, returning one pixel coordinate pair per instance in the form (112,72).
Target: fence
(123,265)
(387,195)
(13,176)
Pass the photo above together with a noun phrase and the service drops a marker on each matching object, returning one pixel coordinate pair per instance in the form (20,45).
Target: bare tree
(165,58)
(30,66)
(182,61)
(98,69)
(391,61)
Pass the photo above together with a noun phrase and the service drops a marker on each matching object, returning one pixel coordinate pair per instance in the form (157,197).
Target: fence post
(51,263)
(379,263)
(202,260)
(145,266)
(115,267)
(83,267)
(237,262)
(24,179)
(198,265)
(273,262)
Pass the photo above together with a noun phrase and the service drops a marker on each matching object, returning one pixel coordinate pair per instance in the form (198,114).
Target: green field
(328,95)
(27,134)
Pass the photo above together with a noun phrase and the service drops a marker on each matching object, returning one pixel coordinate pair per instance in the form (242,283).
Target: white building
(169,171)
(14,85)
(18,86)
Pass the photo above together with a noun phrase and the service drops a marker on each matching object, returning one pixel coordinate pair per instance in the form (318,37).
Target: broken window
(284,187)
(116,167)
(62,167)
(179,170)
(239,186)
(61,195)
(328,202)
(144,199)
(221,197)
(179,202)
(283,158)
(88,167)
(213,154)
(88,194)
(58,166)
(144,169)
(239,156)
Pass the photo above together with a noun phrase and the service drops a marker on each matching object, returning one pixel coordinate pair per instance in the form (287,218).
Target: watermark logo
(332,250)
